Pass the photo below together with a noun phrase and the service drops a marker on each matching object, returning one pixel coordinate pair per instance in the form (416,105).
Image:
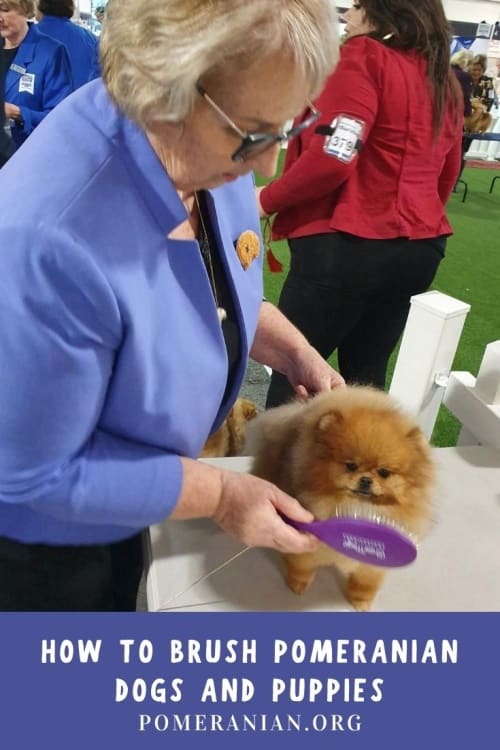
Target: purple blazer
(113,360)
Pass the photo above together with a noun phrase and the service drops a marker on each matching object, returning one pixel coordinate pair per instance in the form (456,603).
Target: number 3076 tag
(345,141)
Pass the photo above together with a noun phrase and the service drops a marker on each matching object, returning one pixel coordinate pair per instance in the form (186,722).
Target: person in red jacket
(362,196)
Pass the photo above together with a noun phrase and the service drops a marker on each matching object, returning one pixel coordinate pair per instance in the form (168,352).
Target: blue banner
(247,680)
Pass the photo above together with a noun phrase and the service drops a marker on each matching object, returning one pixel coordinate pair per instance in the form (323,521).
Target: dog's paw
(298,587)
(360,605)
(362,588)
(299,581)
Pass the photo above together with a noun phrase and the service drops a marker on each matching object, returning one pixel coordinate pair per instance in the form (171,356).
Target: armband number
(345,140)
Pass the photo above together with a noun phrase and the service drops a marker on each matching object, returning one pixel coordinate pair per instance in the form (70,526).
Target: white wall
(472,11)
(83,6)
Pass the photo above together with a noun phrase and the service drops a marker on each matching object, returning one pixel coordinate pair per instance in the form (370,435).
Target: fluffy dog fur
(230,437)
(351,445)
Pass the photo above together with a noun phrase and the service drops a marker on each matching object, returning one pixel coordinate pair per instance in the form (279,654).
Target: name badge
(17,69)
(345,139)
(27,83)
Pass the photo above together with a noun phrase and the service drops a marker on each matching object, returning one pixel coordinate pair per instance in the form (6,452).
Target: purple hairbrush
(362,534)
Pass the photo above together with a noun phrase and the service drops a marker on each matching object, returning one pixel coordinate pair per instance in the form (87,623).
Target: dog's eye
(351,466)
(384,473)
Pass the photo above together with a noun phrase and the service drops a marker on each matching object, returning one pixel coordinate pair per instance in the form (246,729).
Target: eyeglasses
(253,144)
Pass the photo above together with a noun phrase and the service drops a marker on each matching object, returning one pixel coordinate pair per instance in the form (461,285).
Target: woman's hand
(12,111)
(262,213)
(243,505)
(280,345)
(309,374)
(248,509)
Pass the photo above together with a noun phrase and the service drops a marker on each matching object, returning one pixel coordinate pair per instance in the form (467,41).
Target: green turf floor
(470,272)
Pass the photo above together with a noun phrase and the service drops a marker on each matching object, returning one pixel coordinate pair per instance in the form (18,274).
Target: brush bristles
(367,513)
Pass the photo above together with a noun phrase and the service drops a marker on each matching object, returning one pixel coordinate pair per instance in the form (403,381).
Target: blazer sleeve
(351,90)
(60,331)
(57,84)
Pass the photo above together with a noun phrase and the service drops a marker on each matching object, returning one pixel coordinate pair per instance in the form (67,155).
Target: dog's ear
(242,412)
(415,434)
(249,410)
(417,438)
(329,420)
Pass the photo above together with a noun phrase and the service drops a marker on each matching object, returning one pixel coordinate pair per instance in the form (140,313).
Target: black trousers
(91,578)
(350,294)
(466,144)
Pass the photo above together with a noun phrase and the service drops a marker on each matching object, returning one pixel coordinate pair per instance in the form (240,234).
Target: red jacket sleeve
(351,90)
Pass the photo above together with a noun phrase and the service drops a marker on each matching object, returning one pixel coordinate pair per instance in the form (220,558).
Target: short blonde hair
(462,58)
(27,7)
(154,53)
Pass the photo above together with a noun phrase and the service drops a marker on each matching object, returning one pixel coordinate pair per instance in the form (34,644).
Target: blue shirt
(113,359)
(81,46)
(37,80)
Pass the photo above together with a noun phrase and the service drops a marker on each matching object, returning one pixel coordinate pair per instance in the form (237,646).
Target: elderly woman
(38,74)
(132,294)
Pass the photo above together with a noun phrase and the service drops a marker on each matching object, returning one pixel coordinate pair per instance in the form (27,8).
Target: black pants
(466,144)
(353,295)
(93,578)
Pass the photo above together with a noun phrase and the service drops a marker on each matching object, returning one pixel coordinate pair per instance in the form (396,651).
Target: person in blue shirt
(38,74)
(131,294)
(6,145)
(81,45)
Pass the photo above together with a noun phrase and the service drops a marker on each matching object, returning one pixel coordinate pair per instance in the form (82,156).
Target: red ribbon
(275,266)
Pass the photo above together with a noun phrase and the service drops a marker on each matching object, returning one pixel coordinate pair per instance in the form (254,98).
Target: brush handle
(371,542)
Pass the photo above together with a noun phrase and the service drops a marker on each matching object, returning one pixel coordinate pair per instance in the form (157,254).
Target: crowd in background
(480,95)
(44,58)
(56,19)
(470,70)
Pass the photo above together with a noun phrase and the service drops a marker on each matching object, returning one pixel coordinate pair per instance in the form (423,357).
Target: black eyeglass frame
(252,143)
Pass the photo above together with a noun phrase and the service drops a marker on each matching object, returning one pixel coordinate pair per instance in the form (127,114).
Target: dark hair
(419,25)
(60,8)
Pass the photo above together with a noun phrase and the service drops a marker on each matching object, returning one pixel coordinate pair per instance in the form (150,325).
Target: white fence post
(429,343)
(475,402)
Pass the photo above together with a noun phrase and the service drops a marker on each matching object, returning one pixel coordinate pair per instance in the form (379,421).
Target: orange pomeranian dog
(480,120)
(352,446)
(230,437)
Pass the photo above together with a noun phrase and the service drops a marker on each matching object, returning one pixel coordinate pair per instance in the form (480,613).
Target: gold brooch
(247,248)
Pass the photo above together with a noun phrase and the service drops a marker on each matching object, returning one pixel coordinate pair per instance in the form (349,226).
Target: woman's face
(197,153)
(476,72)
(356,21)
(13,22)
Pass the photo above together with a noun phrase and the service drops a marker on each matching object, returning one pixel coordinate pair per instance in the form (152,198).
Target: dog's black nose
(365,484)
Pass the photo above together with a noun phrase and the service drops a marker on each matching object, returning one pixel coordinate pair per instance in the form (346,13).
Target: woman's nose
(266,163)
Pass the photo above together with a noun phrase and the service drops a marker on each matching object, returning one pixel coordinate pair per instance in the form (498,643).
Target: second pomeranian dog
(230,437)
(480,120)
(352,446)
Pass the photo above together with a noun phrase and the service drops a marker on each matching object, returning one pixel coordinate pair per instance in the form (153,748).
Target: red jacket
(399,182)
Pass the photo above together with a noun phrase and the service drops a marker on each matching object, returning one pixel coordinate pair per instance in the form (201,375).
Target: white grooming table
(457,567)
